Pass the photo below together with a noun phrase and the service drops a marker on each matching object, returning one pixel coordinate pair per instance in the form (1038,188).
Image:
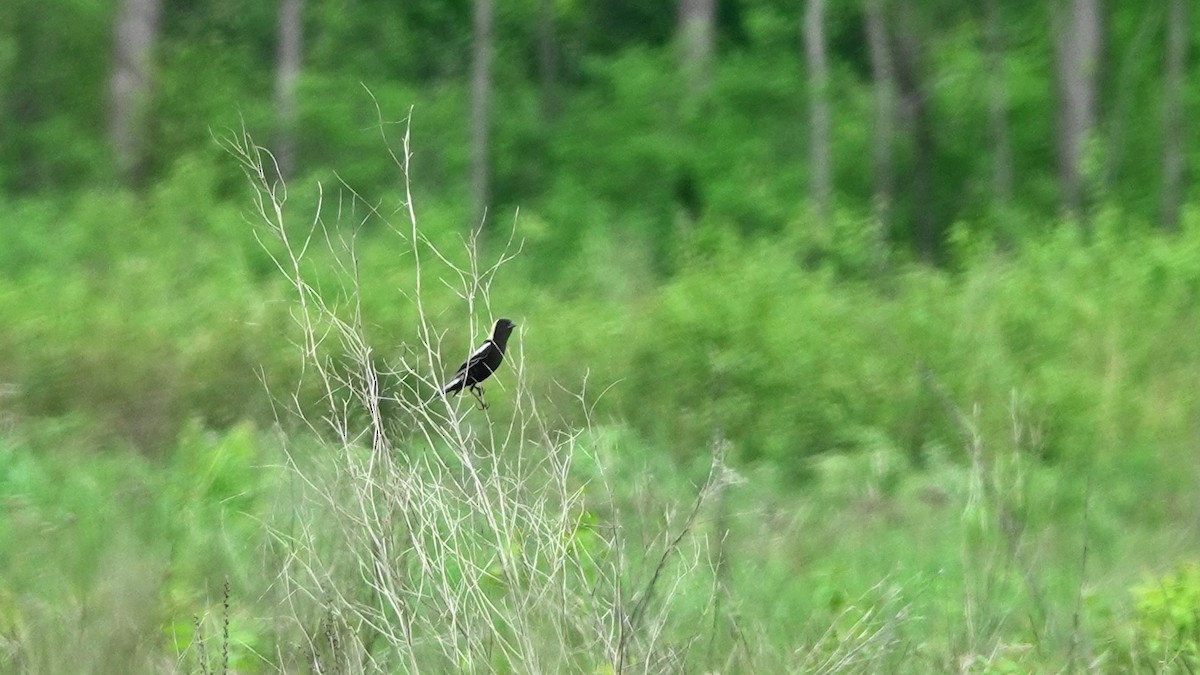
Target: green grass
(987,468)
(115,560)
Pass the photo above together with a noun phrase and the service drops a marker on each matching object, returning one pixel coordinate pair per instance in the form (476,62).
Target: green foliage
(827,575)
(592,124)
(159,311)
(752,328)
(103,550)
(788,358)
(788,348)
(1167,619)
(920,444)
(55,101)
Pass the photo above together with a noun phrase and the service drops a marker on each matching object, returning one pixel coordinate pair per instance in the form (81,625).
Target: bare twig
(424,536)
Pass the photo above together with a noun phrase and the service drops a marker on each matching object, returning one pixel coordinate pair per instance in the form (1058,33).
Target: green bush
(784,362)
(1166,620)
(141,312)
(107,556)
(787,356)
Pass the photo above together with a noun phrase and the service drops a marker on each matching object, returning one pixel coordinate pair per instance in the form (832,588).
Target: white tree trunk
(818,91)
(287,73)
(135,31)
(884,130)
(1173,133)
(1078,64)
(697,40)
(547,43)
(481,102)
(1002,176)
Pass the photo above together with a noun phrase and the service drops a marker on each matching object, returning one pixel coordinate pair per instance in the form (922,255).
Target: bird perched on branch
(482,363)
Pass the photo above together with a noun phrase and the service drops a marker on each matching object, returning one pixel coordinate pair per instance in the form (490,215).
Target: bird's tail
(450,389)
(454,386)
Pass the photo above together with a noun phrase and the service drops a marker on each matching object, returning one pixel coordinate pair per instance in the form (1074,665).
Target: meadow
(853,337)
(220,449)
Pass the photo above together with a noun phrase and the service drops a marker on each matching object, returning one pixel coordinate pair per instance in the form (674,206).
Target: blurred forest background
(930,271)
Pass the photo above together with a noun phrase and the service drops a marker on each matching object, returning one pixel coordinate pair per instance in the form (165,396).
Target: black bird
(482,363)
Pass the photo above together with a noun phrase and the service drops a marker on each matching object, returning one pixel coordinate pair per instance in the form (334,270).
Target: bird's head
(502,330)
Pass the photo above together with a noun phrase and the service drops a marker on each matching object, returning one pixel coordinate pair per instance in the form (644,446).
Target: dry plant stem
(861,646)
(225,628)
(996,501)
(437,538)
(631,623)
(201,650)
(1076,616)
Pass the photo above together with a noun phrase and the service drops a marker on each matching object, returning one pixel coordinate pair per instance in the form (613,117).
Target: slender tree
(818,85)
(884,127)
(287,73)
(1078,59)
(1124,70)
(1173,132)
(697,38)
(1002,171)
(131,86)
(24,28)
(918,119)
(481,103)
(547,52)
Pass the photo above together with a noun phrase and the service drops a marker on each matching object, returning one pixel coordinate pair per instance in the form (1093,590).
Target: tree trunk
(914,107)
(547,46)
(697,36)
(30,29)
(1120,109)
(1173,133)
(287,73)
(131,87)
(884,132)
(481,102)
(1002,172)
(818,86)
(1078,56)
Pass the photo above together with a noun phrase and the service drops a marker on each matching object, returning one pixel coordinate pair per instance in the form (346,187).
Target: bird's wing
(475,357)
